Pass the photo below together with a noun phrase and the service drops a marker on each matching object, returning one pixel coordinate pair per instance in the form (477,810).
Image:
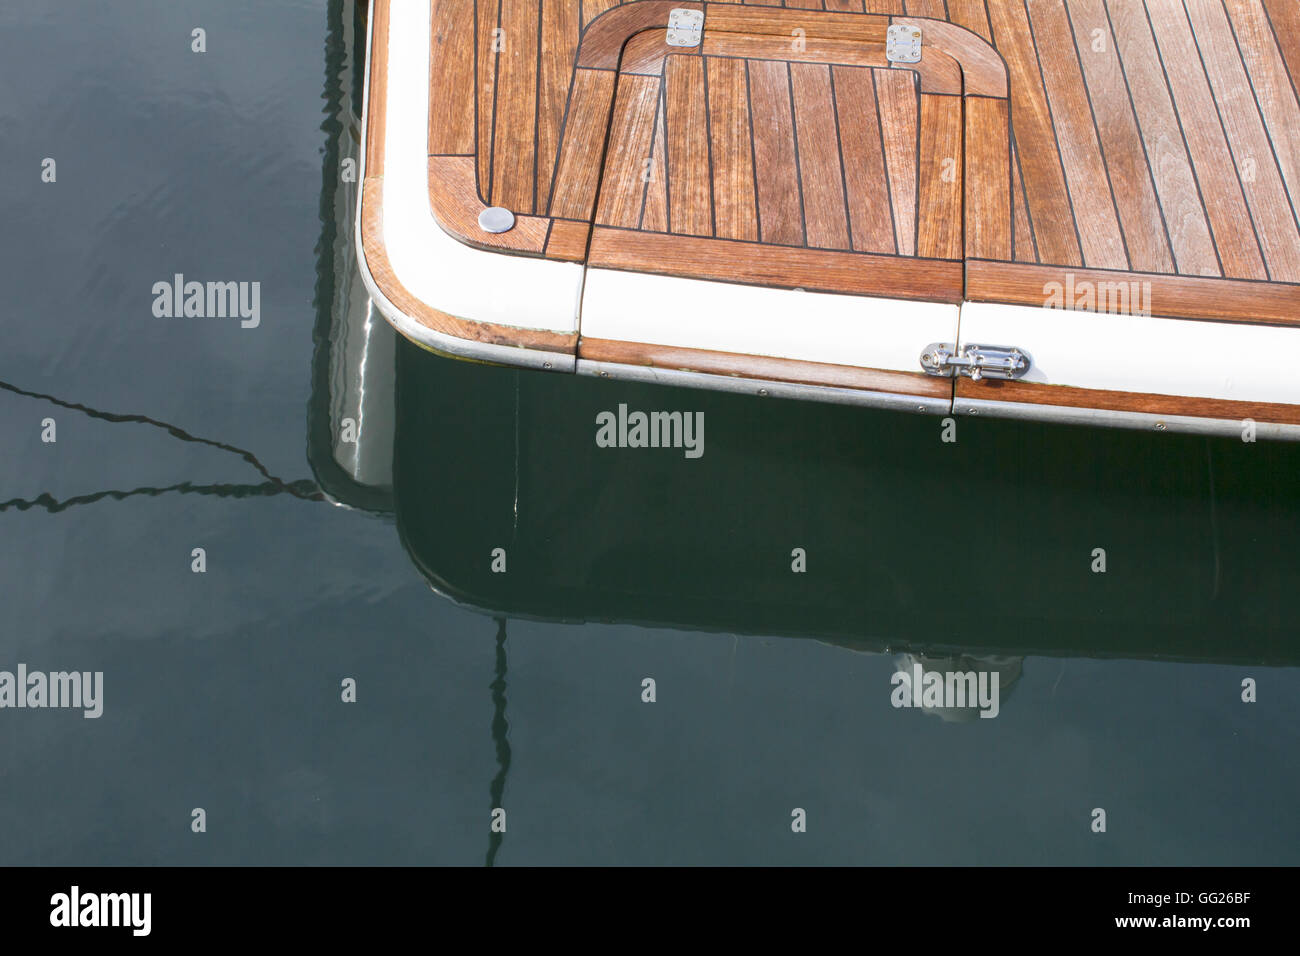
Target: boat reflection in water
(861,528)
(1014,539)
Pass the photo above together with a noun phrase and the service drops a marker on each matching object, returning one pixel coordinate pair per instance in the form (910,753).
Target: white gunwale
(444,273)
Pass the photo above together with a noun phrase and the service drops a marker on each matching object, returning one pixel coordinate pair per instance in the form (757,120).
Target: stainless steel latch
(685,27)
(975,361)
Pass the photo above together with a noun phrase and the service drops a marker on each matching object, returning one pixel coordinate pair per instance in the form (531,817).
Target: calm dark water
(523,690)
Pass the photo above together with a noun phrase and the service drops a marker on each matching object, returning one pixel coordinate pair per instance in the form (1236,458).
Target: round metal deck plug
(496,219)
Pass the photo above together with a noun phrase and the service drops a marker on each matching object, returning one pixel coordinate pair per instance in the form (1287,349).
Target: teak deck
(1038,145)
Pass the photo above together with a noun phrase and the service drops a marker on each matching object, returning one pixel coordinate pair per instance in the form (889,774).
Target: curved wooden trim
(938,73)
(983,67)
(454,199)
(837,35)
(375,250)
(645,52)
(1065,396)
(602,41)
(765,367)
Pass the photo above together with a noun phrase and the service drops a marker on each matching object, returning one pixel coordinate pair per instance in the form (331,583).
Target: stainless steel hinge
(685,27)
(903,44)
(975,361)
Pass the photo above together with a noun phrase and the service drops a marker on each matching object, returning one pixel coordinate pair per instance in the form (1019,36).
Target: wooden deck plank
(871,219)
(1086,174)
(591,9)
(972,15)
(560,30)
(810,50)
(1192,297)
(941,164)
(899,106)
(451,90)
(1025,246)
(779,21)
(926,8)
(735,202)
(654,217)
(1284,15)
(821,172)
(486,69)
(1221,190)
(988,207)
(1257,167)
(1273,87)
(568,240)
(515,126)
(631,140)
(780,210)
(1171,166)
(1035,138)
(786,267)
(1121,141)
(582,144)
(690,186)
